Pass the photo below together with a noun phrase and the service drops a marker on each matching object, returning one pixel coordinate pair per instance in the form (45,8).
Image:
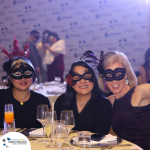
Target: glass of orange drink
(9,114)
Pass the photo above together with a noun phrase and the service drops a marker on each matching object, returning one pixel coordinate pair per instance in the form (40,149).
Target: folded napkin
(38,132)
(106,138)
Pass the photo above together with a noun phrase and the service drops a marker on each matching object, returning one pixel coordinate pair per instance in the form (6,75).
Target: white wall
(97,25)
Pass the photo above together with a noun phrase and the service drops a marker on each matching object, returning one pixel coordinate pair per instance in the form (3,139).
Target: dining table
(123,145)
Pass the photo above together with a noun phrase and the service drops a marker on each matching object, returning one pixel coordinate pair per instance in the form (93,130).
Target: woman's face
(21,84)
(117,87)
(83,86)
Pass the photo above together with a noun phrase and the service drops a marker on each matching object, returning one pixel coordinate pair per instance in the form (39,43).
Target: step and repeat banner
(95,25)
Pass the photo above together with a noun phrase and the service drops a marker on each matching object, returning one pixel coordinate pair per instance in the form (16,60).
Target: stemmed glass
(60,132)
(9,114)
(35,82)
(68,117)
(49,126)
(41,109)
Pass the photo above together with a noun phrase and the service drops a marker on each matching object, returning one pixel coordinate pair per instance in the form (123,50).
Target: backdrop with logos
(95,25)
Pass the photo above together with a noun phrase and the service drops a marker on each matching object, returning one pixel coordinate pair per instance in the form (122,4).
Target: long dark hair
(71,93)
(147,55)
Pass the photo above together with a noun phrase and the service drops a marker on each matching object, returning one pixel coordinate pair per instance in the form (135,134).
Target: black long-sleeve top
(95,117)
(24,115)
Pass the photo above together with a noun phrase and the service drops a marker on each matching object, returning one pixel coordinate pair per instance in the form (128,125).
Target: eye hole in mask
(86,76)
(16,74)
(28,72)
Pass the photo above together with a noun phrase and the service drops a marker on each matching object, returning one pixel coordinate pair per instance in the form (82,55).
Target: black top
(94,117)
(34,55)
(131,123)
(24,115)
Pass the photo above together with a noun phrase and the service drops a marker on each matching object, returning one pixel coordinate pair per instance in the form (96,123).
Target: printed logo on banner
(119,10)
(97,24)
(139,49)
(64,30)
(130,30)
(8,18)
(90,32)
(86,18)
(72,35)
(102,15)
(79,13)
(112,48)
(138,22)
(72,49)
(105,44)
(94,10)
(123,42)
(21,15)
(39,27)
(23,28)
(112,34)
(59,26)
(28,20)
(59,18)
(88,6)
(14,140)
(143,43)
(50,9)
(126,16)
(140,14)
(137,36)
(115,23)
(5,31)
(76,55)
(77,26)
(48,20)
(29,9)
(65,6)
(96,37)
(84,44)
(103,29)
(4,40)
(56,13)
(40,3)
(19,1)
(15,11)
(6,6)
(42,15)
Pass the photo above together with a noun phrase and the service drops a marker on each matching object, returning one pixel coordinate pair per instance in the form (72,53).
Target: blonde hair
(117,57)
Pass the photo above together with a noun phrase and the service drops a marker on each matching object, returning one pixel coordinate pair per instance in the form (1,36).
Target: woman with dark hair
(21,74)
(145,68)
(131,103)
(53,61)
(91,110)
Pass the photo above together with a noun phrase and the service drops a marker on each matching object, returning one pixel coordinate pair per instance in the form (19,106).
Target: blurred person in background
(53,60)
(42,51)
(145,68)
(34,56)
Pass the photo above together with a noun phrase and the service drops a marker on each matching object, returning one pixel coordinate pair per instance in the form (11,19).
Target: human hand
(45,45)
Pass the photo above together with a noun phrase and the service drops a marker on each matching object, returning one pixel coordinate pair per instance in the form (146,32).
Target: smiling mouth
(115,86)
(83,87)
(23,83)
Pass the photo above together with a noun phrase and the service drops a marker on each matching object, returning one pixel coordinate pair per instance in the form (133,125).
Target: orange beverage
(9,117)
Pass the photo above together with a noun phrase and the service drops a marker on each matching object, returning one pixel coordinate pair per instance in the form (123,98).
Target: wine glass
(49,126)
(60,132)
(58,80)
(35,82)
(68,116)
(9,114)
(41,109)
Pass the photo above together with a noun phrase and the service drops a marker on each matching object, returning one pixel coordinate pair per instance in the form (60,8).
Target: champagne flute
(60,132)
(49,126)
(68,116)
(41,109)
(9,114)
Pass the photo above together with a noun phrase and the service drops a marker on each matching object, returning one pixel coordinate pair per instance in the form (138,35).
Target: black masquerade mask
(22,72)
(86,76)
(117,74)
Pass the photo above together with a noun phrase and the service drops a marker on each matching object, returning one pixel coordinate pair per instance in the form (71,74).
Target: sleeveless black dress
(131,123)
